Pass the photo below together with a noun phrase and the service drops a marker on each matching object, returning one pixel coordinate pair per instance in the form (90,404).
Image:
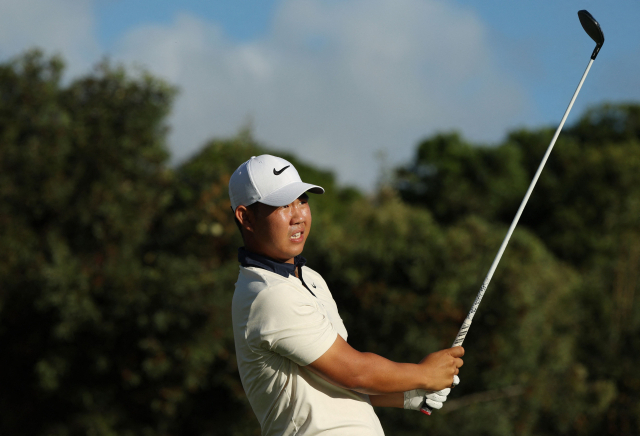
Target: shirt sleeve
(289,323)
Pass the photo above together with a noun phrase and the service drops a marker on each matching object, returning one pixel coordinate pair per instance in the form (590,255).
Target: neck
(253,249)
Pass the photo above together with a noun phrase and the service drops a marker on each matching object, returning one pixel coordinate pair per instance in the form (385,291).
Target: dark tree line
(117,269)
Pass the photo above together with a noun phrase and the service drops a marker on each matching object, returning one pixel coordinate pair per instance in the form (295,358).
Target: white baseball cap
(269,180)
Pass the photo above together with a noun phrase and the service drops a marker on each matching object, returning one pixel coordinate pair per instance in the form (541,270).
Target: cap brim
(289,193)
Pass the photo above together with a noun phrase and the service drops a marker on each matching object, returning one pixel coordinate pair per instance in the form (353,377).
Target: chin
(296,250)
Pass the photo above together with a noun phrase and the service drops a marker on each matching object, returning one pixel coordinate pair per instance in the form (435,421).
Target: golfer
(297,369)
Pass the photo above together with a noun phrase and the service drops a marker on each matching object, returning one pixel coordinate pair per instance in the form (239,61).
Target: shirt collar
(248,258)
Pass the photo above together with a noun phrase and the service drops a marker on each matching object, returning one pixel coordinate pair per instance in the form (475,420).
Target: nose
(298,212)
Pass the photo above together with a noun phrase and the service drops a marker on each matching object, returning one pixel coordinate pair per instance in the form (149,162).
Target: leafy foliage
(117,270)
(104,335)
(586,210)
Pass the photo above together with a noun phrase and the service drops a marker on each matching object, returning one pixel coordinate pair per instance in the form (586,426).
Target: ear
(245,217)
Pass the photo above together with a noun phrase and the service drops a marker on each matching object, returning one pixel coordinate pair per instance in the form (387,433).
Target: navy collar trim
(248,258)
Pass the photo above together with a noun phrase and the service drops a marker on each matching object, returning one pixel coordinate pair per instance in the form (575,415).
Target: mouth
(297,237)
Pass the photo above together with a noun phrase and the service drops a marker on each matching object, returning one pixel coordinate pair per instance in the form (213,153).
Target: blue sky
(338,81)
(242,20)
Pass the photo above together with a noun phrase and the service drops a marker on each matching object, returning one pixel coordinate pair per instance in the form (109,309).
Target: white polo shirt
(279,327)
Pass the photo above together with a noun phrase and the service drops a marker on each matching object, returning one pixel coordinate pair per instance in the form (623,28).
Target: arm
(388,400)
(413,399)
(371,374)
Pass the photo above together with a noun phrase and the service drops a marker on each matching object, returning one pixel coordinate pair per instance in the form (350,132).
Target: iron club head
(592,27)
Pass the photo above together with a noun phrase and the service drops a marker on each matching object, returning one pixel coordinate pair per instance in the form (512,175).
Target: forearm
(371,374)
(375,375)
(388,400)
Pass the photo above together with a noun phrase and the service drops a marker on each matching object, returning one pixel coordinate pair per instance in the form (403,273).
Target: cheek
(307,218)
(280,224)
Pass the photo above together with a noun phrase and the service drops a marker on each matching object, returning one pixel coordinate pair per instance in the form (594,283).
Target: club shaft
(467,322)
(462,333)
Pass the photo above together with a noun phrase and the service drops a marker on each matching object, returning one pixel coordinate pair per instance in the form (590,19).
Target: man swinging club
(297,369)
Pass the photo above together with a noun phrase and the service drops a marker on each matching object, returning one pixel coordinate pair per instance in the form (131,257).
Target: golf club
(591,26)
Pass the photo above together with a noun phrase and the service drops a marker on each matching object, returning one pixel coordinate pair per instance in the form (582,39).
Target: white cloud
(335,81)
(332,81)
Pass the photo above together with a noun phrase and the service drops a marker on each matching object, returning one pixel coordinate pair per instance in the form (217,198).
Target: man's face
(280,232)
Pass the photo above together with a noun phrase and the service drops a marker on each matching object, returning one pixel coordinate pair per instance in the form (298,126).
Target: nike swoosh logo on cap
(277,173)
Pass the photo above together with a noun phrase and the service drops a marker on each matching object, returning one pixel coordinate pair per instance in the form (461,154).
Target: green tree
(585,209)
(404,283)
(453,179)
(117,271)
(103,334)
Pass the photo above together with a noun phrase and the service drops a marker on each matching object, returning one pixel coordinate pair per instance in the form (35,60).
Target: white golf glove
(414,399)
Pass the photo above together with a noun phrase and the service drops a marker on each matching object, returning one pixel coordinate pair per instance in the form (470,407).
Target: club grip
(426,410)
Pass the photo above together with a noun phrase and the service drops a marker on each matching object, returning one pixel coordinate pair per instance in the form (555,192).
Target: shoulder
(257,280)
(308,272)
(312,271)
(269,293)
